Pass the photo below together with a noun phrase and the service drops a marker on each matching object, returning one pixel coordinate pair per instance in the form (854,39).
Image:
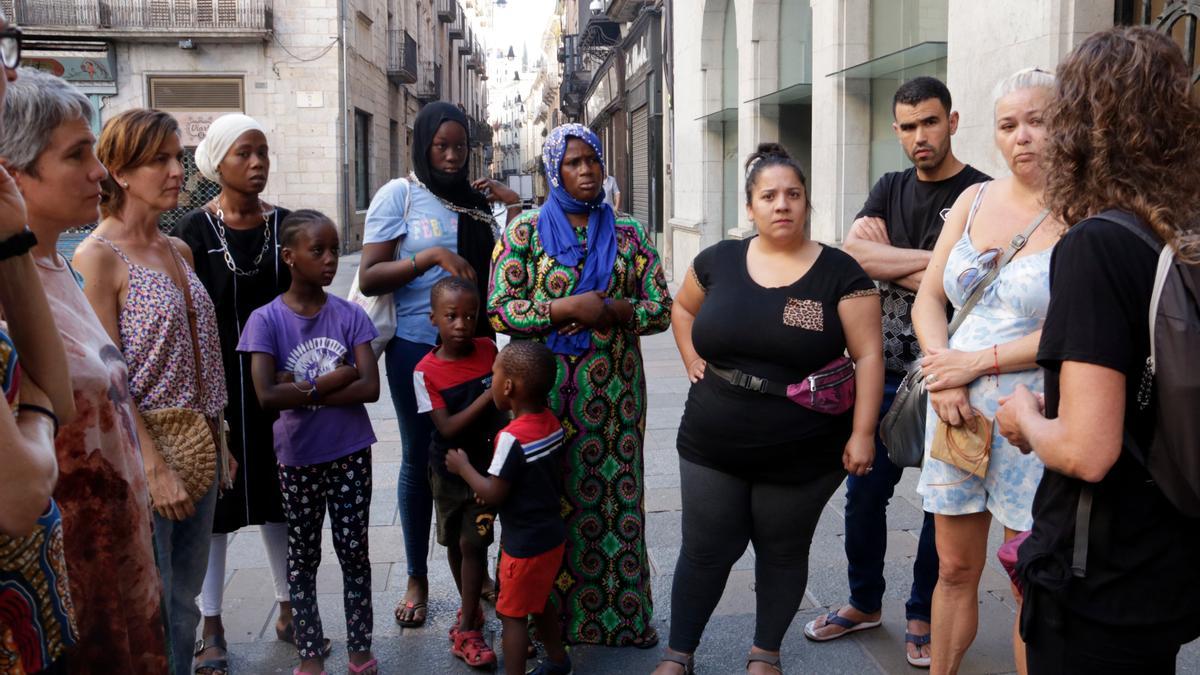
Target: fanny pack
(829,390)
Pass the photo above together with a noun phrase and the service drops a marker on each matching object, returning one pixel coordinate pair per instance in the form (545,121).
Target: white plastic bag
(381,309)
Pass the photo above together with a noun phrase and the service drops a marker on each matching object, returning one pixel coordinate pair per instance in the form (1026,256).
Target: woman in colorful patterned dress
(588,285)
(101,491)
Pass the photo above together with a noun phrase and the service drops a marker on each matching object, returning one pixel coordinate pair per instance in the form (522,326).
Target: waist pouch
(829,390)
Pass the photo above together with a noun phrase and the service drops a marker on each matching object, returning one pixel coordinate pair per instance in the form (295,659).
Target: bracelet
(312,392)
(413,259)
(302,390)
(29,407)
(996,360)
(18,244)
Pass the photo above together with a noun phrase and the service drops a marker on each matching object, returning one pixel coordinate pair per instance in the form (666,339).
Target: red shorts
(525,583)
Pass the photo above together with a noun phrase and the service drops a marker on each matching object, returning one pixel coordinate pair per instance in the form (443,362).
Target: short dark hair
(921,89)
(772,154)
(296,221)
(530,363)
(451,285)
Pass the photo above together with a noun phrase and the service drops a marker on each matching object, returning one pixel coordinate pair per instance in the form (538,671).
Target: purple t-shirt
(310,347)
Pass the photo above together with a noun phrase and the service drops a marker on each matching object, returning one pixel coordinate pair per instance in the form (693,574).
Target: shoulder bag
(380,309)
(902,429)
(189,442)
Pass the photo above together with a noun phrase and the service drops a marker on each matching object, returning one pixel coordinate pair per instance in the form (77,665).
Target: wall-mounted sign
(193,126)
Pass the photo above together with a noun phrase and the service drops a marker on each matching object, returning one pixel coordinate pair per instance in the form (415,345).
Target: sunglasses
(10,47)
(970,277)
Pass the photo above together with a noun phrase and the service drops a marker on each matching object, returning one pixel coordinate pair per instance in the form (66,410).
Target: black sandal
(214,666)
(648,640)
(688,662)
(768,659)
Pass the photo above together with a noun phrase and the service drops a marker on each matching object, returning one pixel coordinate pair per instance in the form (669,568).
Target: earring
(125,185)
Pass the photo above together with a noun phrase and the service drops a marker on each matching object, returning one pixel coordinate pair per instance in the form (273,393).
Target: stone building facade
(336,83)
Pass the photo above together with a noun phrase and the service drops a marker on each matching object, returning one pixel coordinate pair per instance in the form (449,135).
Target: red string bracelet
(996,360)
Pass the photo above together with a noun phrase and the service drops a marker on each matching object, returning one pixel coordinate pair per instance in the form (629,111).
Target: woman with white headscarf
(235,241)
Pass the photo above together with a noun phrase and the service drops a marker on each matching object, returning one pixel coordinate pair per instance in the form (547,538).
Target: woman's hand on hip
(950,368)
(695,369)
(448,260)
(859,454)
(953,406)
(171,500)
(495,191)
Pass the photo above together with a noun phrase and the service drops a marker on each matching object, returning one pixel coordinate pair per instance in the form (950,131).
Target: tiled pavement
(249,606)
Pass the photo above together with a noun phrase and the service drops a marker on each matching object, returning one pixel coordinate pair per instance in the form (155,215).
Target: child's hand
(456,461)
(284,377)
(486,395)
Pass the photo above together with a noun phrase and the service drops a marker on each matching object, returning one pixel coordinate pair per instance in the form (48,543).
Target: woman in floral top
(588,284)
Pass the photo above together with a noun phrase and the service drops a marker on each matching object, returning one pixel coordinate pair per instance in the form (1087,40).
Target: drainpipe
(343,108)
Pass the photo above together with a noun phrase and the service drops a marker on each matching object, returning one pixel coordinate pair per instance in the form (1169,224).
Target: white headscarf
(222,134)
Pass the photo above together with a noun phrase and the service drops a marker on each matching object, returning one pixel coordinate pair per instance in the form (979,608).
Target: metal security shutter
(638,202)
(196,94)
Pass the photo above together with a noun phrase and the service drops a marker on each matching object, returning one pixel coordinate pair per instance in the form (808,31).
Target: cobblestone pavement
(249,611)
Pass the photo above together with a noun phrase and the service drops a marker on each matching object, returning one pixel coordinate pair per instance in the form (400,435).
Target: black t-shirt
(454,386)
(914,211)
(783,334)
(1143,555)
(528,457)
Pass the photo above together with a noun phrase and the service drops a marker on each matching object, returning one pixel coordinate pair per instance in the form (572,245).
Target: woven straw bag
(184,438)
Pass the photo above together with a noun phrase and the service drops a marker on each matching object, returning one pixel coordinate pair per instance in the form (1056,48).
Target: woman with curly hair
(1124,144)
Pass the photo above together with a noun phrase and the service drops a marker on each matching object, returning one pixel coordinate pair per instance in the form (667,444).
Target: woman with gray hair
(234,240)
(46,145)
(992,352)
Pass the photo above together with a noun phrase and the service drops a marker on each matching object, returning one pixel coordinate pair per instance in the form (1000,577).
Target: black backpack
(1173,458)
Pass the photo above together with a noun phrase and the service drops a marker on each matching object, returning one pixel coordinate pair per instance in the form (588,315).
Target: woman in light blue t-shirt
(420,229)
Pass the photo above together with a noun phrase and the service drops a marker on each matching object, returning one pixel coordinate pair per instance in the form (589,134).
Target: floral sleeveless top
(37,622)
(156,340)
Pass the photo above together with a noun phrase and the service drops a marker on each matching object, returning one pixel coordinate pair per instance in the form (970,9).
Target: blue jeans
(182,550)
(413,493)
(867,498)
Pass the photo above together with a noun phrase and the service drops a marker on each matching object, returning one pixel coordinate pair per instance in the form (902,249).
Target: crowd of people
(164,391)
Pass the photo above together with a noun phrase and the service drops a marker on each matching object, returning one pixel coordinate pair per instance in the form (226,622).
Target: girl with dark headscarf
(588,284)
(420,229)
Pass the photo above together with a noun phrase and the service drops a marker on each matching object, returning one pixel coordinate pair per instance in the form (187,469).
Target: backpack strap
(1132,223)
(1083,525)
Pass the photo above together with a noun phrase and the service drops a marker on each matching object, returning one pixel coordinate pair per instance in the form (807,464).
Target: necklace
(225,244)
(478,214)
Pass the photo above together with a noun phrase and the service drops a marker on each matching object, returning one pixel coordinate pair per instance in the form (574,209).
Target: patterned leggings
(345,484)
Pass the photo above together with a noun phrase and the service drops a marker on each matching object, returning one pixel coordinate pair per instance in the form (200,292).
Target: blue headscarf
(558,236)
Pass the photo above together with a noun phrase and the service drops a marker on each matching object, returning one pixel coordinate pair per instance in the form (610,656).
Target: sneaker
(548,667)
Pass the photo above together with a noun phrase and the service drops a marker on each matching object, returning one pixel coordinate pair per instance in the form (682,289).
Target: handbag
(963,448)
(829,390)
(902,429)
(380,309)
(189,442)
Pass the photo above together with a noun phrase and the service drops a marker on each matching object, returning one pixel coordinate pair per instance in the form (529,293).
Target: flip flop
(288,635)
(772,661)
(354,670)
(413,622)
(919,641)
(810,628)
(648,640)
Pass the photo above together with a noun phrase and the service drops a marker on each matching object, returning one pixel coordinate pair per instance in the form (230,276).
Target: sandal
(688,662)
(213,666)
(772,661)
(919,641)
(413,607)
(648,640)
(355,670)
(811,628)
(470,646)
(458,621)
(288,635)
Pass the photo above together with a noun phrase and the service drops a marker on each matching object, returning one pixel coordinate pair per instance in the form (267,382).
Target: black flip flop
(214,666)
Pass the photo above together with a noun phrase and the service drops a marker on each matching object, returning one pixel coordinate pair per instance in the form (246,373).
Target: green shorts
(459,516)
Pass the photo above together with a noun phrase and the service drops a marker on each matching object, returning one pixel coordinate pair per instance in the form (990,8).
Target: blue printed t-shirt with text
(309,347)
(425,223)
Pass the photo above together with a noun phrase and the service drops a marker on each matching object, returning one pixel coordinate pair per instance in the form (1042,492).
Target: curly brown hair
(1124,134)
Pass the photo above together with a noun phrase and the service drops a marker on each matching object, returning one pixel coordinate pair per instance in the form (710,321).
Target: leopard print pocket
(806,314)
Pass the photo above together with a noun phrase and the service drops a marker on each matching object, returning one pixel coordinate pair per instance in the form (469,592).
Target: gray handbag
(902,429)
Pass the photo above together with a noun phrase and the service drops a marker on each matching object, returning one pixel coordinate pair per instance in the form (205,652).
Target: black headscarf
(475,236)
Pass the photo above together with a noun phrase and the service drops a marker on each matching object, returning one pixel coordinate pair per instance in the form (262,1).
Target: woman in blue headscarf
(588,284)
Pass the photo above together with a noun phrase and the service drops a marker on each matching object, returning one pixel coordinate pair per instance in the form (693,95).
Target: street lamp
(511,55)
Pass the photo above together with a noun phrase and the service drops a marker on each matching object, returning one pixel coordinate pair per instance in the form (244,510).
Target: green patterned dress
(603,589)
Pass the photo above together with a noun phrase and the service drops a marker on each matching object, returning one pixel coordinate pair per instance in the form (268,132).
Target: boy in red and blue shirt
(524,480)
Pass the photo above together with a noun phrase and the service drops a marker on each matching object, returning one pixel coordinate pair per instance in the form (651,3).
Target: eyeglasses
(970,277)
(10,47)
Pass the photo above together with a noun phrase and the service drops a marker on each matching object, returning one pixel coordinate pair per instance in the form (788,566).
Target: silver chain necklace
(225,244)
(477,214)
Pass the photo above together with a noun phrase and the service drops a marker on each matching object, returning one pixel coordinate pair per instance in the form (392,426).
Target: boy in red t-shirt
(453,385)
(525,482)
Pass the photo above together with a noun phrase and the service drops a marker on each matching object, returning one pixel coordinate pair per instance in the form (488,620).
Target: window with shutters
(196,94)
(639,202)
(362,160)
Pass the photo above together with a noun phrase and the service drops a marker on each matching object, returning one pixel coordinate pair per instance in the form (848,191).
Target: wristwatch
(18,244)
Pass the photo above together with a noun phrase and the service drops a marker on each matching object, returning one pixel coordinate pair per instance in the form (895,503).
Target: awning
(909,57)
(723,115)
(797,93)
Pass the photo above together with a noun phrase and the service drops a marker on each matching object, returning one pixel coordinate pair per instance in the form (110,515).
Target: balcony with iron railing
(447,10)
(402,57)
(455,30)
(429,83)
(464,45)
(144,20)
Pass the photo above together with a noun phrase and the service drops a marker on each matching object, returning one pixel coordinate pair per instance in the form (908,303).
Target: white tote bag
(380,308)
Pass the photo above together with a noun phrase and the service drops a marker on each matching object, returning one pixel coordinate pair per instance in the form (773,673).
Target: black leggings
(721,514)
